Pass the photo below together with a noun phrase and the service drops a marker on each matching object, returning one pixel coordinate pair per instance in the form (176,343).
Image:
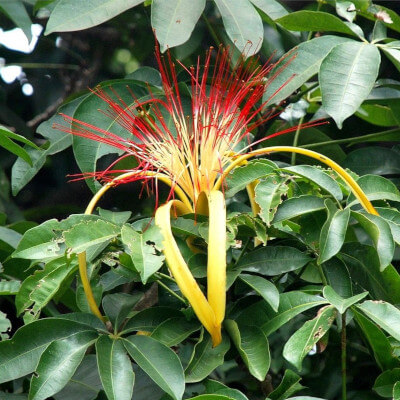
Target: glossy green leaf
(252,345)
(377,341)
(249,226)
(241,176)
(376,114)
(9,287)
(117,306)
(205,358)
(340,303)
(273,260)
(16,11)
(379,231)
(38,289)
(396,391)
(147,320)
(303,340)
(74,15)
(268,195)
(9,236)
(333,232)
(384,315)
(319,177)
(13,147)
(376,188)
(296,206)
(264,288)
(174,330)
(305,20)
(116,217)
(392,217)
(344,89)
(19,356)
(159,362)
(385,382)
(291,304)
(144,249)
(289,385)
(293,72)
(338,276)
(215,387)
(89,233)
(58,363)
(115,368)
(173,21)
(243,25)
(363,265)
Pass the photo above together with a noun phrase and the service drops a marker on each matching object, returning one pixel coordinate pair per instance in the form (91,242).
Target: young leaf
(58,363)
(205,358)
(173,21)
(252,346)
(344,89)
(115,368)
(301,342)
(333,232)
(159,362)
(339,302)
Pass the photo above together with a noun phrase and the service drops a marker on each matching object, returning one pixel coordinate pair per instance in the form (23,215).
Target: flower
(192,147)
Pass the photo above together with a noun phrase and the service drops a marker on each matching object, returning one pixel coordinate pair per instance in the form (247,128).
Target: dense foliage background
(326,265)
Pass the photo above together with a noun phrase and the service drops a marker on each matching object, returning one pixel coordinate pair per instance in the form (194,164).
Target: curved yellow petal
(216,262)
(184,278)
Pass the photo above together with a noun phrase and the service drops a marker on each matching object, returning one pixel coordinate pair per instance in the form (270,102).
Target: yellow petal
(216,262)
(184,278)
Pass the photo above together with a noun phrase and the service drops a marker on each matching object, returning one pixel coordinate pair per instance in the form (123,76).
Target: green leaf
(12,147)
(396,391)
(364,267)
(296,206)
(338,276)
(393,55)
(205,358)
(117,306)
(313,21)
(144,249)
(319,177)
(116,217)
(10,236)
(16,11)
(38,243)
(268,195)
(289,385)
(272,8)
(248,226)
(291,304)
(173,21)
(252,346)
(333,232)
(379,231)
(384,383)
(273,260)
(376,188)
(341,304)
(215,387)
(9,287)
(58,364)
(241,176)
(85,383)
(392,217)
(20,356)
(377,114)
(243,25)
(21,172)
(299,69)
(377,341)
(174,331)
(384,315)
(159,362)
(301,342)
(147,320)
(211,397)
(89,233)
(5,326)
(115,368)
(74,15)
(344,89)
(38,289)
(264,288)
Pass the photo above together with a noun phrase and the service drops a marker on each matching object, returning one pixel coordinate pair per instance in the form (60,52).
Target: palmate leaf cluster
(309,267)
